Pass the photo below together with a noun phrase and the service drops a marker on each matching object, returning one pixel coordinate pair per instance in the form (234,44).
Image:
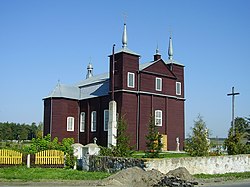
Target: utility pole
(113,74)
(112,123)
(233,94)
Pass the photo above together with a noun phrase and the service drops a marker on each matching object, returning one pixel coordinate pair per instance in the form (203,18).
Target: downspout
(166,108)
(78,132)
(138,110)
(51,113)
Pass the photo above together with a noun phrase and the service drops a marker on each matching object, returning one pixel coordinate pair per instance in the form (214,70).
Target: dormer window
(158,84)
(131,80)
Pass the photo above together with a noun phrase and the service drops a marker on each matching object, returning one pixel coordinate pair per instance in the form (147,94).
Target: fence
(10,157)
(49,157)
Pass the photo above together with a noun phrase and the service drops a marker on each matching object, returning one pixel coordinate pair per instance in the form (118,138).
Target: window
(178,88)
(82,122)
(106,120)
(70,123)
(158,84)
(93,121)
(158,117)
(131,80)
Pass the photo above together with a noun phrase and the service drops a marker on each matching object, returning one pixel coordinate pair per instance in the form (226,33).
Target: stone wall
(206,165)
(112,164)
(195,165)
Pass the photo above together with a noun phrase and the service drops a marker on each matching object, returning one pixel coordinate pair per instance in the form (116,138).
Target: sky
(46,41)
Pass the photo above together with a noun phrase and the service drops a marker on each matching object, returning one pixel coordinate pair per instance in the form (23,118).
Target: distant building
(155,88)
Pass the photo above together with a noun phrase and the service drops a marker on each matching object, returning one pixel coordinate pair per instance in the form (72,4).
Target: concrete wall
(206,165)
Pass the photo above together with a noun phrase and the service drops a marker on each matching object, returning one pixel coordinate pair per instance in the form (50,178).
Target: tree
(236,143)
(122,148)
(153,140)
(39,132)
(198,143)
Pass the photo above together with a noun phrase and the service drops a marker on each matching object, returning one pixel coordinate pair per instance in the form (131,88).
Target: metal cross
(125,17)
(233,94)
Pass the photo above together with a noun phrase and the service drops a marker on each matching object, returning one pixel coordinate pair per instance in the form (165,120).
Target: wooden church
(141,90)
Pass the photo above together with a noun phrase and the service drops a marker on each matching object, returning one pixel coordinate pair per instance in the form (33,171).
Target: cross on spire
(233,94)
(125,17)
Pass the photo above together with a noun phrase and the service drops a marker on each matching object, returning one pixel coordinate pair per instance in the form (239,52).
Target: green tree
(122,148)
(234,145)
(198,143)
(39,132)
(153,140)
(236,142)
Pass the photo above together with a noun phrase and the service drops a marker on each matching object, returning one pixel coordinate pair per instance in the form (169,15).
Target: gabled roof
(147,64)
(94,80)
(95,86)
(94,90)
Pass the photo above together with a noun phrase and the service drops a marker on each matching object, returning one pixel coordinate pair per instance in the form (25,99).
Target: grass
(140,154)
(226,176)
(36,174)
(21,173)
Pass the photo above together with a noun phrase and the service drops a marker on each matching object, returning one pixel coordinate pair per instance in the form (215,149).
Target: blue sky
(44,41)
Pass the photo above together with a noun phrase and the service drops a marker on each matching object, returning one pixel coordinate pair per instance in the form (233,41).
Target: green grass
(36,174)
(140,154)
(229,176)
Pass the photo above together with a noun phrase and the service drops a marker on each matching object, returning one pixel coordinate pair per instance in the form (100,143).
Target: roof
(127,50)
(147,64)
(94,90)
(95,86)
(64,91)
(94,80)
(173,62)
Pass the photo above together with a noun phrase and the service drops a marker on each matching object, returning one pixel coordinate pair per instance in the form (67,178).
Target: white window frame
(82,122)
(158,118)
(131,76)
(70,123)
(158,84)
(178,88)
(105,120)
(93,121)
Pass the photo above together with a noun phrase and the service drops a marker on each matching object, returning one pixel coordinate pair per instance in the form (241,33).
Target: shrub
(153,140)
(197,143)
(122,148)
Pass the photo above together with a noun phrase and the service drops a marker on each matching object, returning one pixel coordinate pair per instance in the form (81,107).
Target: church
(140,90)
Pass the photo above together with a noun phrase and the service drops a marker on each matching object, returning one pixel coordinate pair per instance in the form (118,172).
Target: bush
(234,145)
(153,140)
(123,148)
(41,144)
(198,144)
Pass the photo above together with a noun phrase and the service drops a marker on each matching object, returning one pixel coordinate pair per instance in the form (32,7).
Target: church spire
(89,71)
(157,55)
(157,49)
(170,49)
(124,36)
